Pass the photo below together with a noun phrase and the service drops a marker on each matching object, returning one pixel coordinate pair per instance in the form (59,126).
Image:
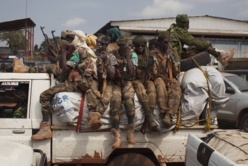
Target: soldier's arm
(186,38)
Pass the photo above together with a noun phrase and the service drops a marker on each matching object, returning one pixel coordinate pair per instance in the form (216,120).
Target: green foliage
(15,40)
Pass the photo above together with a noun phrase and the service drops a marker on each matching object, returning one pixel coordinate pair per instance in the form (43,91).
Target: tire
(243,124)
(131,159)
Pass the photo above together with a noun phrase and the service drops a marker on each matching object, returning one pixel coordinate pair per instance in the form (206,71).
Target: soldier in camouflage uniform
(87,70)
(140,44)
(180,36)
(128,61)
(108,90)
(163,87)
(59,70)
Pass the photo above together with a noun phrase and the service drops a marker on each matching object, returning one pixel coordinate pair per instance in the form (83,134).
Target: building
(223,33)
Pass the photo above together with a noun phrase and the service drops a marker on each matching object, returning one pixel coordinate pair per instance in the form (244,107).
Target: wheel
(131,159)
(243,124)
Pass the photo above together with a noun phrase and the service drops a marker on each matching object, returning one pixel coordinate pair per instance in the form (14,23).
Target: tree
(14,39)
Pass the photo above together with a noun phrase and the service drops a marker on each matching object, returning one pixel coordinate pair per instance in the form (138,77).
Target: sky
(90,15)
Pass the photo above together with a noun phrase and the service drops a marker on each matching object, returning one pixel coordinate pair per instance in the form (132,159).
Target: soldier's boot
(94,120)
(117,138)
(45,132)
(150,118)
(130,134)
(225,57)
(167,121)
(19,67)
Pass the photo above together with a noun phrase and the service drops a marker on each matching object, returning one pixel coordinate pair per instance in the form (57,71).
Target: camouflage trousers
(128,93)
(167,95)
(82,85)
(46,68)
(98,102)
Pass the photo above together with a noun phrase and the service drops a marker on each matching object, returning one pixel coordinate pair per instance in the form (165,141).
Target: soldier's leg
(175,94)
(143,99)
(115,109)
(97,104)
(93,97)
(128,99)
(162,101)
(152,95)
(45,100)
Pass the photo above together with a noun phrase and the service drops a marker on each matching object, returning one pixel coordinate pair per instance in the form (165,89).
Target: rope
(208,117)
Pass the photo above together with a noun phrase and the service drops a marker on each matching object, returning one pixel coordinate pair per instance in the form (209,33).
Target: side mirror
(230,90)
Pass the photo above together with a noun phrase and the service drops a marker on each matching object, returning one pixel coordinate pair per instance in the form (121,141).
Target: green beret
(114,33)
(162,35)
(139,40)
(124,39)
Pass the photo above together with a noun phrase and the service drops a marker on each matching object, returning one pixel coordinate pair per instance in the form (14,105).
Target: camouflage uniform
(128,62)
(140,44)
(163,81)
(87,69)
(180,36)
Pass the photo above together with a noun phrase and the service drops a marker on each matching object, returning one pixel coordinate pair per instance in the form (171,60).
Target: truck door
(15,124)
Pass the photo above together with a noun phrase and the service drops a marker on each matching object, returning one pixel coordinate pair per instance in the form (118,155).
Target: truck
(75,144)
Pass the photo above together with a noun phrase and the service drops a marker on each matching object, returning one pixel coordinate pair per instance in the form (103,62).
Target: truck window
(13,99)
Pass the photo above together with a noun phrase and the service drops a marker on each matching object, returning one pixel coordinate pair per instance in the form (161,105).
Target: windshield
(240,82)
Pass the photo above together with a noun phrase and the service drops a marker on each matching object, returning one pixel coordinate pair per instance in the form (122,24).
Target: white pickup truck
(84,147)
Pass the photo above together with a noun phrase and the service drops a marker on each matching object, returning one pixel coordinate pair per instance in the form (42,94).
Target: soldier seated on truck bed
(87,70)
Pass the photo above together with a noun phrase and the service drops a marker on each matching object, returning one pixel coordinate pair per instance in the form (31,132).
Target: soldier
(179,36)
(128,61)
(114,33)
(87,70)
(140,44)
(162,85)
(60,71)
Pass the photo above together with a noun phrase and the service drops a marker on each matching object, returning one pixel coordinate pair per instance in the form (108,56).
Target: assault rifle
(57,46)
(50,48)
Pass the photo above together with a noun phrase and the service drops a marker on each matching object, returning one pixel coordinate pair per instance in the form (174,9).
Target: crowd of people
(111,68)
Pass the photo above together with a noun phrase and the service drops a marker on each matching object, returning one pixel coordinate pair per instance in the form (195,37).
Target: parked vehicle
(242,73)
(14,153)
(217,149)
(236,110)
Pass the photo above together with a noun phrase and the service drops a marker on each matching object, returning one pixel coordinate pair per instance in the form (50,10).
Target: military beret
(124,39)
(139,40)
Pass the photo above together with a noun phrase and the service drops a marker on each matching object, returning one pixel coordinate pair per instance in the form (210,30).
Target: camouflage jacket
(180,36)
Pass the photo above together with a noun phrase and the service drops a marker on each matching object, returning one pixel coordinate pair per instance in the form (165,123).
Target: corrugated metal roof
(198,25)
(16,24)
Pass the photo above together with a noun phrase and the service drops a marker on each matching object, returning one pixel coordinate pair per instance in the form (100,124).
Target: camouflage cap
(182,18)
(162,35)
(139,40)
(64,33)
(124,39)
(103,38)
